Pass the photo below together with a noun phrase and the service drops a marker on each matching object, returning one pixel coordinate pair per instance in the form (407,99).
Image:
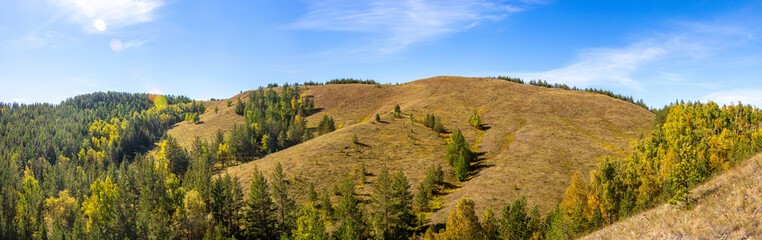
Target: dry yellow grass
(726,207)
(536,137)
(209,123)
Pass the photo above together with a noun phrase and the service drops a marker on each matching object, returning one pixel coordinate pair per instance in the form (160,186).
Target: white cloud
(649,58)
(51,39)
(745,96)
(398,23)
(118,46)
(602,65)
(100,15)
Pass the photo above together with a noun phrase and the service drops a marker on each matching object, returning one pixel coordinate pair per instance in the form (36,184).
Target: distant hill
(726,207)
(535,137)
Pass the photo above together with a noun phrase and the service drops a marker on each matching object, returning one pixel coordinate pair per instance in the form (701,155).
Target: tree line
(343,81)
(542,83)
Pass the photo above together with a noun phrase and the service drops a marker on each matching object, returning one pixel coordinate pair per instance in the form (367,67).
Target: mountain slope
(536,137)
(728,206)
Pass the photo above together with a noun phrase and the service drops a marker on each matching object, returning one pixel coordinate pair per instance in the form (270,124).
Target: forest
(691,143)
(81,170)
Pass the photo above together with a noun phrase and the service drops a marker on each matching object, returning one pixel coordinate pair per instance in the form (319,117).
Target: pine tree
(285,205)
(458,149)
(422,196)
(382,201)
(326,125)
(362,173)
(378,118)
(404,219)
(260,222)
(226,204)
(462,165)
(175,155)
(392,204)
(326,205)
(515,220)
(351,224)
(239,107)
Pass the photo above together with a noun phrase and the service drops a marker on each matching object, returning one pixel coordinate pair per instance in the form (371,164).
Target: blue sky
(659,51)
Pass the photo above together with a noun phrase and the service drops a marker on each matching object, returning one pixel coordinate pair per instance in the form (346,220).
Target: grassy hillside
(535,139)
(209,123)
(726,207)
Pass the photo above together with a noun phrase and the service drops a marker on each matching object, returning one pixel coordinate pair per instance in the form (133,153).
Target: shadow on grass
(315,110)
(478,165)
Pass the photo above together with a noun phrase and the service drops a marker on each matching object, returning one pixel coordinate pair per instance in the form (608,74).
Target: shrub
(475,121)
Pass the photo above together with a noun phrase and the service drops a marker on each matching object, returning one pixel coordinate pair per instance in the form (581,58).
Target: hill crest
(570,128)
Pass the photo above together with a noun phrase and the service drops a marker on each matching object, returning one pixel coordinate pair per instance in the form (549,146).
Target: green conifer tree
(260,211)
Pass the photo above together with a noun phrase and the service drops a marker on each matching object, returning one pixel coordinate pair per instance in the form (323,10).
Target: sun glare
(100,25)
(116,45)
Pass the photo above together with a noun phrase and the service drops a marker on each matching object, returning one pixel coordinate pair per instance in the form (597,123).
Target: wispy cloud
(118,46)
(398,23)
(102,15)
(745,96)
(51,39)
(603,65)
(688,42)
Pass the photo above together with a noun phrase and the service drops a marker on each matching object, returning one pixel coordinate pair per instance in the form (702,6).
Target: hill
(726,207)
(535,137)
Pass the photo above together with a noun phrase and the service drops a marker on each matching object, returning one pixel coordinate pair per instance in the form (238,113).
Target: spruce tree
(351,224)
(326,205)
(285,205)
(402,207)
(226,204)
(382,201)
(515,220)
(392,204)
(260,212)
(239,107)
